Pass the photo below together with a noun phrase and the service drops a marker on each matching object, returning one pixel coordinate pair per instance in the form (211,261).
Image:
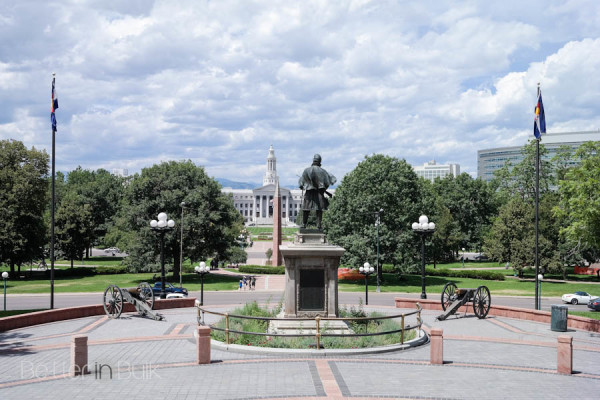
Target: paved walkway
(495,358)
(263,282)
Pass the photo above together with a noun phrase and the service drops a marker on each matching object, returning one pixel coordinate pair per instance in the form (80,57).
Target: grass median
(98,283)
(435,285)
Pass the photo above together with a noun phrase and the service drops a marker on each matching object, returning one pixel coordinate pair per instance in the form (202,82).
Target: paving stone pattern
(495,358)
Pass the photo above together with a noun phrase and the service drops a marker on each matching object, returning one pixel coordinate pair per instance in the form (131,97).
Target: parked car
(578,297)
(594,304)
(172,291)
(112,250)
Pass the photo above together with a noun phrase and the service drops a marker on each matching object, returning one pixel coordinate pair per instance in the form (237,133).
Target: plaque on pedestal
(311,264)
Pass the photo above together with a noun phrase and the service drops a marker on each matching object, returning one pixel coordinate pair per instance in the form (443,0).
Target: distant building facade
(431,170)
(491,160)
(256,205)
(121,172)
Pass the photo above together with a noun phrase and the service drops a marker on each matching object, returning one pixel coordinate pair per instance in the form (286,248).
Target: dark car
(594,304)
(169,289)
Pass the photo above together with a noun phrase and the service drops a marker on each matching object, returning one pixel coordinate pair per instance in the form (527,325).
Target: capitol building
(256,205)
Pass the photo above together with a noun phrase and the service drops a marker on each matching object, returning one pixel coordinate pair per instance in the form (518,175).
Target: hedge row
(83,271)
(260,269)
(469,273)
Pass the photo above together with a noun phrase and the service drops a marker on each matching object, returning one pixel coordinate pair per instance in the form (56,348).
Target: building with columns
(256,205)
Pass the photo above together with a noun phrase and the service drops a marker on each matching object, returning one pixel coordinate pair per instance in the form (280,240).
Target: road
(61,300)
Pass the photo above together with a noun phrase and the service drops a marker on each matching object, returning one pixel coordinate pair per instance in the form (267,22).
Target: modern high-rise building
(431,170)
(491,160)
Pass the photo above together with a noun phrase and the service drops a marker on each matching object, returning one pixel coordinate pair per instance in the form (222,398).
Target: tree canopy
(23,174)
(211,224)
(378,184)
(579,204)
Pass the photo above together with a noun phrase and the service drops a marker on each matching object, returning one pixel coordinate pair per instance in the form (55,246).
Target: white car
(578,297)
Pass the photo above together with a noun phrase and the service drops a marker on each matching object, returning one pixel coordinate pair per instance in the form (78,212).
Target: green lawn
(98,283)
(587,314)
(257,230)
(435,285)
(99,261)
(469,264)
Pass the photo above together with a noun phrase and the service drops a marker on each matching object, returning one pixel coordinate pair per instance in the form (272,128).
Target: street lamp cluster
(162,226)
(366,270)
(202,270)
(423,228)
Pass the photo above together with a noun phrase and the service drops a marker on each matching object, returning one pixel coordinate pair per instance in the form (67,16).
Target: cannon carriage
(453,298)
(141,297)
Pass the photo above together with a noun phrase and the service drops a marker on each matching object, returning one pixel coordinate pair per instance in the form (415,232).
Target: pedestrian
(245,282)
(253,283)
(240,288)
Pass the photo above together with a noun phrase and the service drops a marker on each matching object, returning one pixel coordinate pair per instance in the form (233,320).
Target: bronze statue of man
(315,181)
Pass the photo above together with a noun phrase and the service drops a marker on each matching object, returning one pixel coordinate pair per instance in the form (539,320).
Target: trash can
(558,322)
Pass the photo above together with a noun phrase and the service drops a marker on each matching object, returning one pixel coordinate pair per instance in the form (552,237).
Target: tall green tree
(103,192)
(74,226)
(384,183)
(211,223)
(519,179)
(472,205)
(23,174)
(579,204)
(512,236)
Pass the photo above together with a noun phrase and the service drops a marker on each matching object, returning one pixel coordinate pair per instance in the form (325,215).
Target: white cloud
(217,82)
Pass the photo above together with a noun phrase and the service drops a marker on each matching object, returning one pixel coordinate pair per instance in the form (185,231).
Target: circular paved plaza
(135,357)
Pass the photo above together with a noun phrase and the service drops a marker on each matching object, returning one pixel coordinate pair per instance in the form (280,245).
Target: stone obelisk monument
(277,258)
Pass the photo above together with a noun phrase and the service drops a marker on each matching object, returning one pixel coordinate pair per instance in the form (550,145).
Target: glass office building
(491,160)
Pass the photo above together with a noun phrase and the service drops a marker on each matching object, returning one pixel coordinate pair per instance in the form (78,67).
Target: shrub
(111,270)
(260,269)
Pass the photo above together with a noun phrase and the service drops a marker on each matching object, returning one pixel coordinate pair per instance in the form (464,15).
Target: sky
(216,82)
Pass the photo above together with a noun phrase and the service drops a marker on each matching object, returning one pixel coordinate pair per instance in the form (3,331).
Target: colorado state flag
(539,122)
(53,105)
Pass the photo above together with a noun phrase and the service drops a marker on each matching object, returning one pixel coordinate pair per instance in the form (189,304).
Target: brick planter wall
(573,321)
(60,314)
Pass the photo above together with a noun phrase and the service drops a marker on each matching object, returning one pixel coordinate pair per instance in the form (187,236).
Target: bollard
(437,346)
(564,361)
(203,344)
(79,355)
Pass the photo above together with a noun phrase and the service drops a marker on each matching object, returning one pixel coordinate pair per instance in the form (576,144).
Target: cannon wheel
(482,301)
(113,301)
(146,294)
(448,294)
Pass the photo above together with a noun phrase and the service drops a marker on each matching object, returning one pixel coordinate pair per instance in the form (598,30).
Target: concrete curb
(61,314)
(236,348)
(573,321)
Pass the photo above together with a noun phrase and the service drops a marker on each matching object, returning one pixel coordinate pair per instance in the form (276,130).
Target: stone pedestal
(311,264)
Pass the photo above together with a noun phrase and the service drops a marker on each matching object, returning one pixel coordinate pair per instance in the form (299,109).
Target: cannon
(453,298)
(142,298)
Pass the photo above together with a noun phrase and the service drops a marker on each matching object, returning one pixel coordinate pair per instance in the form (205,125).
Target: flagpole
(537,204)
(52,213)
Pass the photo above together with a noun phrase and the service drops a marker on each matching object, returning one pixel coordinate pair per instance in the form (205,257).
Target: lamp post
(366,270)
(540,277)
(463,249)
(4,277)
(423,228)
(377,223)
(182,205)
(161,227)
(202,269)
